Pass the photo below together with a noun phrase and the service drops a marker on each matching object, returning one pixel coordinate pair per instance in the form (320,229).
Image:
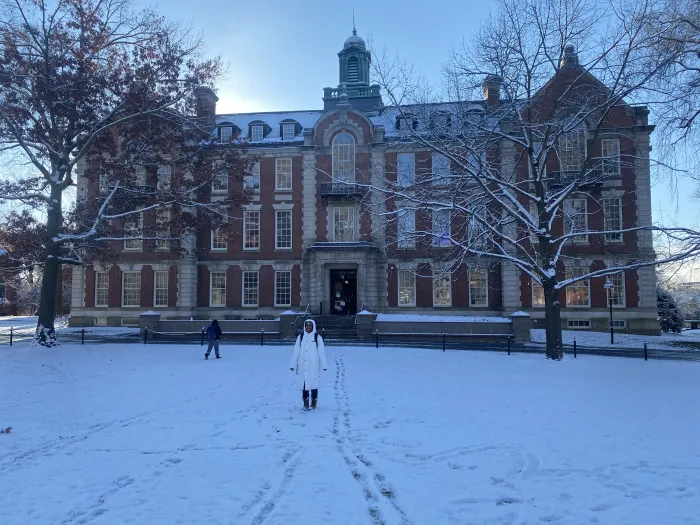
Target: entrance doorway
(343,292)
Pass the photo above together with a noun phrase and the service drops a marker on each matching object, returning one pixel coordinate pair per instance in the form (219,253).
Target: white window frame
(406,169)
(411,276)
(257,132)
(286,134)
(573,215)
(222,290)
(278,232)
(226,133)
(406,229)
(350,234)
(162,229)
(138,289)
(537,286)
(610,153)
(441,166)
(219,180)
(246,222)
(578,324)
(442,277)
(441,238)
(164,177)
(572,149)
(343,157)
(98,303)
(279,172)
(243,289)
(156,289)
(570,273)
(277,288)
(472,298)
(252,180)
(133,243)
(608,206)
(217,244)
(619,292)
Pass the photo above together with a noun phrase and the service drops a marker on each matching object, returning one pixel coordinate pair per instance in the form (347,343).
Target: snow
(25,326)
(150,312)
(3,251)
(411,318)
(602,339)
(520,314)
(117,434)
(365,312)
(307,119)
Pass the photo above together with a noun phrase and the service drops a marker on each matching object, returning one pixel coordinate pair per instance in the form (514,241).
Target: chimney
(570,57)
(206,106)
(492,90)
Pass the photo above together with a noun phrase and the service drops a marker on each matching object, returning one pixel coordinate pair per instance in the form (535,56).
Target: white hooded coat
(309,359)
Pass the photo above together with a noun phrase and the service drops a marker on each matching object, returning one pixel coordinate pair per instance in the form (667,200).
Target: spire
(354,30)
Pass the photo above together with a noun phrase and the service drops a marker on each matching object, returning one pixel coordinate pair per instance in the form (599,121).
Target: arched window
(344,157)
(353,70)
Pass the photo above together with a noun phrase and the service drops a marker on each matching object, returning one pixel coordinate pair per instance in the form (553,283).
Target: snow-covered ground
(686,339)
(117,434)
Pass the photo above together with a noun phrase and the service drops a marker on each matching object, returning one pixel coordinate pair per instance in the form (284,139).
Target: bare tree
(94,85)
(516,179)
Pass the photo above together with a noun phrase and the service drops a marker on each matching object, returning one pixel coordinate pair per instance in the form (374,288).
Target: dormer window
(226,133)
(441,121)
(257,133)
(406,123)
(288,131)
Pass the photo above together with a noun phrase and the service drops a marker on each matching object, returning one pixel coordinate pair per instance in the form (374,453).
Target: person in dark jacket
(213,337)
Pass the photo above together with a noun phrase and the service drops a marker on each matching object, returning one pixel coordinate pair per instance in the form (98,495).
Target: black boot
(313,403)
(306,403)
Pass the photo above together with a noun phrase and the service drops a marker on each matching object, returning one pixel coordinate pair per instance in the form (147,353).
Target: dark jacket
(217,330)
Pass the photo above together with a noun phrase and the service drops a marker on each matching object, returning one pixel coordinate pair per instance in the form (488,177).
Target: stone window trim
(613,194)
(353,217)
(218,273)
(247,277)
(278,173)
(343,124)
(283,206)
(286,293)
(245,239)
(280,234)
(101,302)
(472,296)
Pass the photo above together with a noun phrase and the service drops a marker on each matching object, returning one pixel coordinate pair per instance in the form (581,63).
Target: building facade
(310,239)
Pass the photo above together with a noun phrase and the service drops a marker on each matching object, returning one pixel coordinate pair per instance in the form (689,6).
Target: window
(478,287)
(288,131)
(104,183)
(160,294)
(612,211)
(283,174)
(217,289)
(407,169)
(578,324)
(576,218)
(442,290)
(578,293)
(572,149)
(406,122)
(133,231)
(250,288)
(610,148)
(252,180)
(441,167)
(542,166)
(283,229)
(537,294)
(256,133)
(100,321)
(344,157)
(251,230)
(226,133)
(163,178)
(441,227)
(477,232)
(283,288)
(162,229)
(619,323)
(353,70)
(101,289)
(344,224)
(131,289)
(617,292)
(406,229)
(407,288)
(218,239)
(219,182)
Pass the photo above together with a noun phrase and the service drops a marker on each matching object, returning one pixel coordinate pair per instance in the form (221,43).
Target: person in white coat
(308,361)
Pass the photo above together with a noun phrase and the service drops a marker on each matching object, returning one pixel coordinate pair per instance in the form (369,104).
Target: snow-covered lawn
(117,434)
(686,339)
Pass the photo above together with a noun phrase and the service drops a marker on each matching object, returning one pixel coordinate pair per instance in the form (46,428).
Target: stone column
(510,274)
(149,321)
(77,293)
(365,324)
(308,190)
(521,326)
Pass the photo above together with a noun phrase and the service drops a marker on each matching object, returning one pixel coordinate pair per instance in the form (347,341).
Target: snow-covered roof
(306,119)
(424,115)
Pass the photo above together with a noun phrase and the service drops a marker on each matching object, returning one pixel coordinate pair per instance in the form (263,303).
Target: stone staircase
(336,327)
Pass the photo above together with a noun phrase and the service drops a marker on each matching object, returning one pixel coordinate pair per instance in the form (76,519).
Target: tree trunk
(552,318)
(45,332)
(59,291)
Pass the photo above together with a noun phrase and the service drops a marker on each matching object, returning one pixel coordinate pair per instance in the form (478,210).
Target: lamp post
(609,287)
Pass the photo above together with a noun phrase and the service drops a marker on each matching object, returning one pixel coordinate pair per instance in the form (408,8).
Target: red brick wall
(230,290)
(147,286)
(353,116)
(424,286)
(632,288)
(89,286)
(115,286)
(266,286)
(324,166)
(172,286)
(460,287)
(296,285)
(202,286)
(393,285)
(495,297)
(235,284)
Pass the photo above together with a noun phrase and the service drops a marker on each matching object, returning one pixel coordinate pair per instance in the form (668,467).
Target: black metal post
(145,336)
(320,308)
(202,344)
(443,341)
(509,346)
(323,333)
(612,329)
(82,336)
(262,337)
(646,355)
(376,337)
(10,336)
(575,349)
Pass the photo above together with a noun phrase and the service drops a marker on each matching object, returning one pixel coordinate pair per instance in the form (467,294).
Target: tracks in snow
(378,492)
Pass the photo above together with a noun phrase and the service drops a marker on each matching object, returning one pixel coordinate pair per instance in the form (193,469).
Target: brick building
(307,239)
